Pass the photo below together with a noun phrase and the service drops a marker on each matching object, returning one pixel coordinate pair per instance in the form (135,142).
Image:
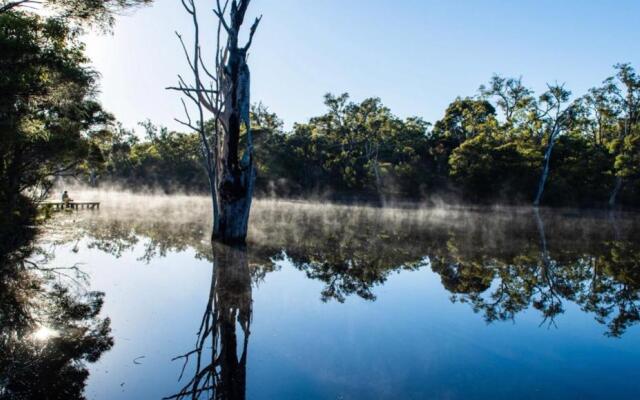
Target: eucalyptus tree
(47,109)
(551,117)
(510,95)
(463,119)
(48,106)
(93,12)
(223,94)
(625,145)
(601,112)
(360,148)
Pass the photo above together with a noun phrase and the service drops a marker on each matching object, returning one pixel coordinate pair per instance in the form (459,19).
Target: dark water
(326,303)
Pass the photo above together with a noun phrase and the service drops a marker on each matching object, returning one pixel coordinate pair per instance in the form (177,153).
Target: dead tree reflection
(215,368)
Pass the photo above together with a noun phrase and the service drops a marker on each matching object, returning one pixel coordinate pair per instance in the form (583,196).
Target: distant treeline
(486,148)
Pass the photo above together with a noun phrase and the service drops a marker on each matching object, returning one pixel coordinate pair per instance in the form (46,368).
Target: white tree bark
(614,193)
(545,169)
(554,120)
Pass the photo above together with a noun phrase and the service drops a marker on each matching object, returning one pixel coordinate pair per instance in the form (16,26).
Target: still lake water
(336,302)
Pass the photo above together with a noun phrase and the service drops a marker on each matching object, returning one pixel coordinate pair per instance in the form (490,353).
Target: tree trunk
(616,190)
(229,168)
(234,205)
(93,178)
(545,171)
(235,176)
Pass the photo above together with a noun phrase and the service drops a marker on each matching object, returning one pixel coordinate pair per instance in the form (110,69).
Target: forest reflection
(500,263)
(49,327)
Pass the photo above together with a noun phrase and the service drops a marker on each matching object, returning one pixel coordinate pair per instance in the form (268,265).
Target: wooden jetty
(72,205)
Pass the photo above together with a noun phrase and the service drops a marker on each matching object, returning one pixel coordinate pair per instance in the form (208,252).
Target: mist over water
(275,220)
(352,301)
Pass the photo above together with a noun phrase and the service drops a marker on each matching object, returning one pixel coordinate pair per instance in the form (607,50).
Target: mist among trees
(505,144)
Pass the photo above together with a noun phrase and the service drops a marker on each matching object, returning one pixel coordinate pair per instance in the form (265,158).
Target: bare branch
(13,4)
(219,12)
(186,53)
(189,10)
(182,89)
(205,69)
(252,32)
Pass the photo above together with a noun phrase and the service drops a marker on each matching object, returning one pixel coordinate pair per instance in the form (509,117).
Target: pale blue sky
(417,55)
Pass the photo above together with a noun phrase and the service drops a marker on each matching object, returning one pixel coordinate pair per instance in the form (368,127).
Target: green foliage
(581,172)
(463,120)
(627,162)
(47,107)
(357,148)
(165,159)
(100,13)
(493,168)
(363,151)
(491,147)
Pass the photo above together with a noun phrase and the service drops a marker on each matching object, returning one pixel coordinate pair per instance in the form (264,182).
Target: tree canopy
(48,106)
(492,147)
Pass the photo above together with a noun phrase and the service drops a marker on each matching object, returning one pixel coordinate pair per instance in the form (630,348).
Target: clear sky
(416,55)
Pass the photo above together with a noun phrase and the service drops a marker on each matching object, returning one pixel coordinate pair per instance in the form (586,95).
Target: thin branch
(219,12)
(24,3)
(186,7)
(205,69)
(186,53)
(182,89)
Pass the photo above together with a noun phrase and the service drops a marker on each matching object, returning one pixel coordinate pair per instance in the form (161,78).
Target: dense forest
(491,147)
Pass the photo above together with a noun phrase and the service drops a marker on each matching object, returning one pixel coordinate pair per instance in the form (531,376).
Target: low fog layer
(279,221)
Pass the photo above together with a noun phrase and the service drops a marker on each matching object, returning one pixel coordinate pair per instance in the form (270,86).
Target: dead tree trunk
(227,145)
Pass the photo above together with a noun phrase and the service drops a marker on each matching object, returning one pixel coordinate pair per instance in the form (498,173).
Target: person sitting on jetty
(66,199)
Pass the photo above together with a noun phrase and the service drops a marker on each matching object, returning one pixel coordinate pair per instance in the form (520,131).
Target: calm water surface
(332,302)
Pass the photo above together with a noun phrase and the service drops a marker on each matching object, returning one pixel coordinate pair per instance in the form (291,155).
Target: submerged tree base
(234,205)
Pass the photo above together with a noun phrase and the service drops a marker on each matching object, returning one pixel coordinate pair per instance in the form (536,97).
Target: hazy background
(417,55)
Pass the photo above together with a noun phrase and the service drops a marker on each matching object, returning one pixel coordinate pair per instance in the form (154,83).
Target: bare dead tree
(222,94)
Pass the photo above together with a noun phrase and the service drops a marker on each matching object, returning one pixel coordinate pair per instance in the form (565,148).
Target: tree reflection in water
(214,368)
(500,263)
(49,328)
(600,276)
